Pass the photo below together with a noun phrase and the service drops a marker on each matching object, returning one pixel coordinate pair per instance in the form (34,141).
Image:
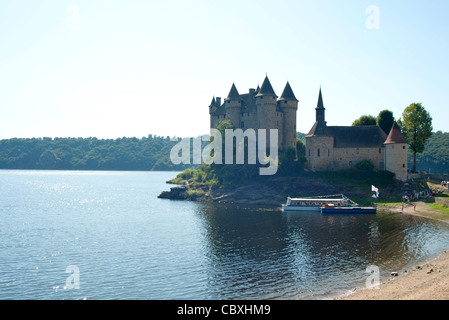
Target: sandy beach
(428,281)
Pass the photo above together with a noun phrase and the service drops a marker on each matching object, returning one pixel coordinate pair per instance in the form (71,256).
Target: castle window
(285,101)
(242,124)
(403,147)
(380,150)
(309,153)
(318,152)
(350,163)
(328,152)
(403,165)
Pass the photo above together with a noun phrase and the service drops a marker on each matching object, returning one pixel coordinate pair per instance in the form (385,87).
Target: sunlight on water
(128,244)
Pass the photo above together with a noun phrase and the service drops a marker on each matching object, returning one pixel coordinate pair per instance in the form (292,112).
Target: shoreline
(425,281)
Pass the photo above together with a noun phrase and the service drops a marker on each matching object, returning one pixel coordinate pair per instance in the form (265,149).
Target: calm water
(128,244)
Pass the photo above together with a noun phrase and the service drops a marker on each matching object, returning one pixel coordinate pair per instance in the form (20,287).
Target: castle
(259,109)
(328,148)
(340,147)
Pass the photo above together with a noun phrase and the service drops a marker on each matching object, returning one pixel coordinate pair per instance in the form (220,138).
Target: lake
(106,235)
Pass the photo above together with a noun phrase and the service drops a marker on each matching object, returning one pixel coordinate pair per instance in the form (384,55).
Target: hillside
(148,153)
(435,156)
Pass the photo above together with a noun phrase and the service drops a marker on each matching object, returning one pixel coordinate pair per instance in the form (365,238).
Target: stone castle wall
(396,160)
(347,157)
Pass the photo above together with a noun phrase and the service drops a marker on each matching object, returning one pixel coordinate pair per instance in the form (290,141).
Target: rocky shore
(272,192)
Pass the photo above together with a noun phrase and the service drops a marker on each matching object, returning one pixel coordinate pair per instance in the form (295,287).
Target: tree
(301,151)
(385,120)
(365,120)
(416,127)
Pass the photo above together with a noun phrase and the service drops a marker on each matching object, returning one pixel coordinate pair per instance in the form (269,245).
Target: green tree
(301,151)
(416,127)
(365,120)
(385,120)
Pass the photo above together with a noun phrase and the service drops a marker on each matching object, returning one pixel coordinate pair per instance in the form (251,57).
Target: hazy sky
(131,68)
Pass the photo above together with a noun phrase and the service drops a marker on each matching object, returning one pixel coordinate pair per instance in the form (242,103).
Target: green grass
(195,192)
(395,201)
(441,207)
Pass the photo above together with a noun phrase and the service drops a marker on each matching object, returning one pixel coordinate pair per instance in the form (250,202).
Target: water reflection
(269,254)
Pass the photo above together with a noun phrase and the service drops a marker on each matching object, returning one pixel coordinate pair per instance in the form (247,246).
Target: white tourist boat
(326,204)
(316,203)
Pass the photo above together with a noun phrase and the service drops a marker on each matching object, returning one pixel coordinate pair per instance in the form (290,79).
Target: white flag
(374,189)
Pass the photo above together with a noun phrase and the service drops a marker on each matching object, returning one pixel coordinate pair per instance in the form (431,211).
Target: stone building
(331,148)
(259,109)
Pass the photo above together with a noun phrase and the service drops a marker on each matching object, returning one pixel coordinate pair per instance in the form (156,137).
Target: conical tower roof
(288,94)
(320,104)
(266,89)
(395,135)
(213,102)
(233,93)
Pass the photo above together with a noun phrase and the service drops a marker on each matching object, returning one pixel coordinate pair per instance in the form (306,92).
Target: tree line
(151,153)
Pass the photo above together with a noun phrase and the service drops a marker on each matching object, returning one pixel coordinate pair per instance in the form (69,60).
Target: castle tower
(212,111)
(396,153)
(233,106)
(266,102)
(320,110)
(320,141)
(289,105)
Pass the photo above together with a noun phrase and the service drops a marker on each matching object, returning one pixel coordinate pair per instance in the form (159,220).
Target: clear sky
(131,68)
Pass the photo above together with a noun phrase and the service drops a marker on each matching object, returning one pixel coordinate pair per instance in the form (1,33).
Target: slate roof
(358,137)
(233,93)
(350,137)
(248,103)
(320,104)
(266,89)
(288,94)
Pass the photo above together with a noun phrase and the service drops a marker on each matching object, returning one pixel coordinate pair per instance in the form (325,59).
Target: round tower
(213,113)
(233,106)
(289,106)
(396,153)
(266,102)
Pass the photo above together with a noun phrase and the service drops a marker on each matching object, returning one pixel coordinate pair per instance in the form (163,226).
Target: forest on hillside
(150,153)
(435,157)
